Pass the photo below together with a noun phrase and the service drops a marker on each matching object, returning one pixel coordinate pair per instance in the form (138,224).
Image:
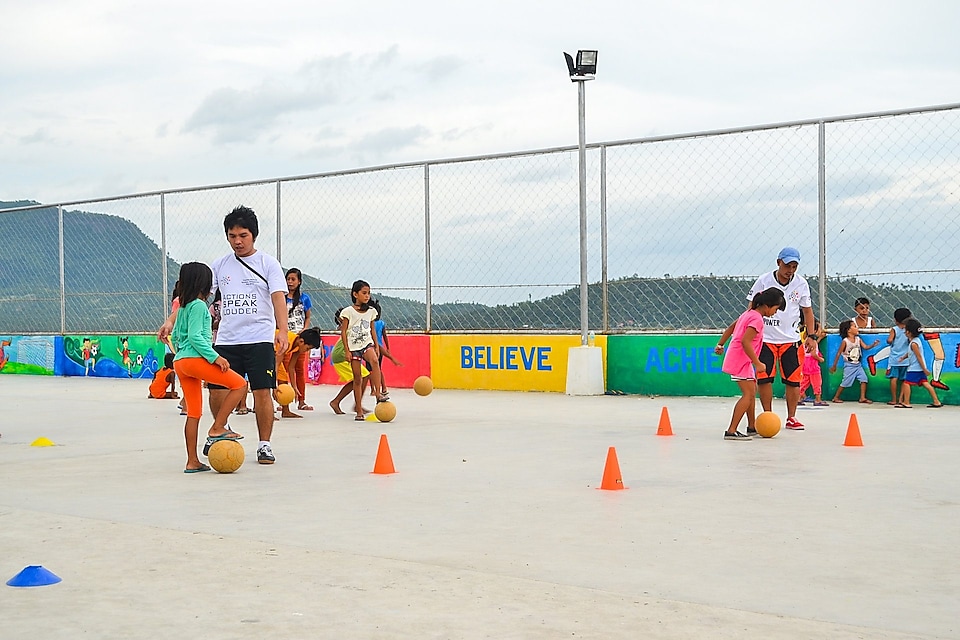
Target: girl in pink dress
(741,360)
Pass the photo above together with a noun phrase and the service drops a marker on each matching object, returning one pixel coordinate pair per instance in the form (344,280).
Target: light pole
(582,70)
(584,363)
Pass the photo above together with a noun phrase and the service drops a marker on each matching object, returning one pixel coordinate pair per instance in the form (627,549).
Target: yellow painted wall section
(503,362)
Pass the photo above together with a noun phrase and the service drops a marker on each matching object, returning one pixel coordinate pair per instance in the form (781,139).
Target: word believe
(507,358)
(673,360)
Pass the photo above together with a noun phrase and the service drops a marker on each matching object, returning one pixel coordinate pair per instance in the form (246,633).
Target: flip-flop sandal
(865,401)
(230,435)
(200,469)
(304,407)
(359,418)
(934,406)
(242,412)
(821,404)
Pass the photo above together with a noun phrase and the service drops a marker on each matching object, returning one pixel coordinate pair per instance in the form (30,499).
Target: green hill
(107,293)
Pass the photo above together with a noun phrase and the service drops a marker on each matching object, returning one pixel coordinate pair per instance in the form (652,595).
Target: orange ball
(768,424)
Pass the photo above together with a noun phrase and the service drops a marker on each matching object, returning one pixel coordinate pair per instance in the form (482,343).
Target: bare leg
(766,396)
(933,393)
(263,407)
(344,392)
(217,397)
(792,395)
(746,405)
(905,395)
(230,400)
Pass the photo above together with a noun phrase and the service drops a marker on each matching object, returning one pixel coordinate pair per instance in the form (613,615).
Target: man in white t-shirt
(252,307)
(781,333)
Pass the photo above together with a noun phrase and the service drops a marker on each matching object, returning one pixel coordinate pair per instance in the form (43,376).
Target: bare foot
(286,413)
(336,409)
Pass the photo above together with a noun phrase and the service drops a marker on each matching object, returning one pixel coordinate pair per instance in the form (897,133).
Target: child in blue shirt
(899,345)
(917,372)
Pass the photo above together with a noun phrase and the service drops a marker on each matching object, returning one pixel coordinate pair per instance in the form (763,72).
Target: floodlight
(585,66)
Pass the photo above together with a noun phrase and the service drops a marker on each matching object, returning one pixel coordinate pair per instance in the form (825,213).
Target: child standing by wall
(197,361)
(298,319)
(741,360)
(811,368)
(851,348)
(898,345)
(917,372)
(356,331)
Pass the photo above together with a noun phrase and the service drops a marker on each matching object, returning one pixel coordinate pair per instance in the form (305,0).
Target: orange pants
(299,370)
(192,371)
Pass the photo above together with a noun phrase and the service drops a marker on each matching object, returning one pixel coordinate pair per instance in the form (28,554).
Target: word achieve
(674,360)
(506,358)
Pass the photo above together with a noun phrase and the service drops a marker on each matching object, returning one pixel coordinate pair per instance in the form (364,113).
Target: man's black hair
(242,217)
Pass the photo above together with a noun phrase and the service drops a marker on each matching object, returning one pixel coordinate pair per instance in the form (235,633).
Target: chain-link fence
(678,229)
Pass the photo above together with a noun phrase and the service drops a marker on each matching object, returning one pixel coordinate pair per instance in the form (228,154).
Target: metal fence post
(426,245)
(163,256)
(822,217)
(603,237)
(63,284)
(279,259)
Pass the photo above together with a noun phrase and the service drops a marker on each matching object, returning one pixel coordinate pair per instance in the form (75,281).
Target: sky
(103,97)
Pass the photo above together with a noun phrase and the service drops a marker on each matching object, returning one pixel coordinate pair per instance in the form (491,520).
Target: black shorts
(256,361)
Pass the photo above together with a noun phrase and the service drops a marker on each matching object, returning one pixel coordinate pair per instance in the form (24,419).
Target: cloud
(39,136)
(233,114)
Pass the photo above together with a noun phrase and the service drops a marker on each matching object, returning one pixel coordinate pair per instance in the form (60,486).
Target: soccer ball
(225,456)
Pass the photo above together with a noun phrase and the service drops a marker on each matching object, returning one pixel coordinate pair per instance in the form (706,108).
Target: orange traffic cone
(664,428)
(611,472)
(384,463)
(853,433)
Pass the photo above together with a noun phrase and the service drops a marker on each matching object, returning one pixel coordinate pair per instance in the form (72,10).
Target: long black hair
(196,280)
(296,292)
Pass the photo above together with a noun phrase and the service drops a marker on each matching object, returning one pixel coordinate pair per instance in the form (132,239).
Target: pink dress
(811,365)
(736,362)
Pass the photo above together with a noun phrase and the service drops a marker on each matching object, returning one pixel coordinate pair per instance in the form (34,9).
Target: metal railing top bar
(780,125)
(513,154)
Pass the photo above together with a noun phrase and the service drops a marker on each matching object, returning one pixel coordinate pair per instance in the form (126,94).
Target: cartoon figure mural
(125,354)
(88,355)
(3,356)
(136,356)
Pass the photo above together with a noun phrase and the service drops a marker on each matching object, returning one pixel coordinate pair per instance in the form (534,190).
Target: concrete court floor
(492,526)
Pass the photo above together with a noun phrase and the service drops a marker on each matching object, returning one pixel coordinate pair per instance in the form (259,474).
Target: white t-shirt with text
(783,326)
(246,310)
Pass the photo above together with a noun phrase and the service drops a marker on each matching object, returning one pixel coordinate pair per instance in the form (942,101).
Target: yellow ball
(385,411)
(225,456)
(285,394)
(768,424)
(422,386)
